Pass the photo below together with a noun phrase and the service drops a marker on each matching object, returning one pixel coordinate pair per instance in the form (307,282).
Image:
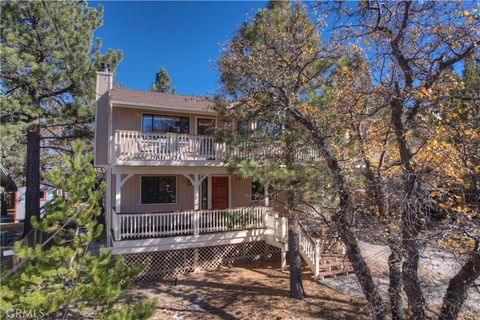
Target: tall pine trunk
(457,288)
(32,201)
(295,260)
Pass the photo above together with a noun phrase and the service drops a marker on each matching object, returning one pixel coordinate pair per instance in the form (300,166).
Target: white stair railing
(310,250)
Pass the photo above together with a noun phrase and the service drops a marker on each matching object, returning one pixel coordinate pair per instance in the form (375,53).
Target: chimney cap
(105,67)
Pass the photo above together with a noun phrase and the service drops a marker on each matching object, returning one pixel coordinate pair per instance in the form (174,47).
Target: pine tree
(274,140)
(49,58)
(162,82)
(65,276)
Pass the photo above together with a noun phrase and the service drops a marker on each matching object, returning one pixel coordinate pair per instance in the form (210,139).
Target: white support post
(283,258)
(284,229)
(196,222)
(317,259)
(196,180)
(266,198)
(196,192)
(108,205)
(118,203)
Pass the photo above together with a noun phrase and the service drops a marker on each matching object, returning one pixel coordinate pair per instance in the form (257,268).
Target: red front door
(219,192)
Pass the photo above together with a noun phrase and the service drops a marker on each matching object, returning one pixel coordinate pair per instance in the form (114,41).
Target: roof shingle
(161,99)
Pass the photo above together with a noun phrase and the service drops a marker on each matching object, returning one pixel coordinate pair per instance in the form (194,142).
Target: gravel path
(436,270)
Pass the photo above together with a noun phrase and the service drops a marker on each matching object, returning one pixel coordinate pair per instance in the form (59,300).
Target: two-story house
(169,198)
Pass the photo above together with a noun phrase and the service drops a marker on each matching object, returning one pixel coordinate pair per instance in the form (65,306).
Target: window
(159,189)
(205,126)
(243,127)
(268,127)
(165,124)
(257,191)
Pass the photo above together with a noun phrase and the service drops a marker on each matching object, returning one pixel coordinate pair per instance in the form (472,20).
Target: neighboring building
(47,193)
(7,188)
(169,196)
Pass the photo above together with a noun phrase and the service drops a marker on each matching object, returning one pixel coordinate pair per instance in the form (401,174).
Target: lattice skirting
(6,262)
(164,264)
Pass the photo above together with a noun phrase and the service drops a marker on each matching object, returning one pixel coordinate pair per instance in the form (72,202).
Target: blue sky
(184,37)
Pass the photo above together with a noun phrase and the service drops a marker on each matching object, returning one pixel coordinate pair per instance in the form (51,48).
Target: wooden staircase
(329,260)
(324,255)
(332,266)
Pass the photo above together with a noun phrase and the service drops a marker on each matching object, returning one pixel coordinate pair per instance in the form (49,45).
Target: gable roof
(158,99)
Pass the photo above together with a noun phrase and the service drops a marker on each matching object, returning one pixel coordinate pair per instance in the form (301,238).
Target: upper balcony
(142,148)
(169,148)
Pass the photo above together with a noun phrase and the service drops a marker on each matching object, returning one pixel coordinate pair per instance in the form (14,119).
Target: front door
(219,192)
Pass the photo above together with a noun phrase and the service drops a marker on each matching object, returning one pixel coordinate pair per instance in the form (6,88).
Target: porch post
(196,203)
(266,199)
(118,203)
(283,265)
(196,192)
(317,259)
(108,207)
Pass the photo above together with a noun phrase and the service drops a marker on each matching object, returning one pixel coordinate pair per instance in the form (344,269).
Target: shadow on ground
(255,291)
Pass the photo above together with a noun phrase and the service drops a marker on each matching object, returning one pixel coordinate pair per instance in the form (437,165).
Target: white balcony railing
(136,145)
(151,225)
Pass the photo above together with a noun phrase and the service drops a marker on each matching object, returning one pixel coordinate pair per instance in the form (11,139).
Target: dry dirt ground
(261,291)
(255,291)
(436,269)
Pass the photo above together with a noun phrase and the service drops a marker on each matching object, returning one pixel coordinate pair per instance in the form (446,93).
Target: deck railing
(137,145)
(151,225)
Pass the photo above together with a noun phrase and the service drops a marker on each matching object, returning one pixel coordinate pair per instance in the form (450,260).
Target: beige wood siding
(131,198)
(131,118)
(240,195)
(240,192)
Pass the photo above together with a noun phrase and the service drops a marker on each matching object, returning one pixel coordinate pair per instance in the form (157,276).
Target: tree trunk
(295,261)
(360,267)
(411,218)
(458,286)
(395,288)
(32,201)
(411,281)
(341,219)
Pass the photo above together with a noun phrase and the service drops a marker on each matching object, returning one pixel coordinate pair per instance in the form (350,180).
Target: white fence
(150,225)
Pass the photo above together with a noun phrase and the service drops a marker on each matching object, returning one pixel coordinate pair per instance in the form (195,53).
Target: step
(333,266)
(334,274)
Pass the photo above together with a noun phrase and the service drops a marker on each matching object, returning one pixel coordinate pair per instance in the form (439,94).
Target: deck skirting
(172,263)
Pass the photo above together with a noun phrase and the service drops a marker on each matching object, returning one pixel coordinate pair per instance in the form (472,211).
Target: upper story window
(205,126)
(268,127)
(165,124)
